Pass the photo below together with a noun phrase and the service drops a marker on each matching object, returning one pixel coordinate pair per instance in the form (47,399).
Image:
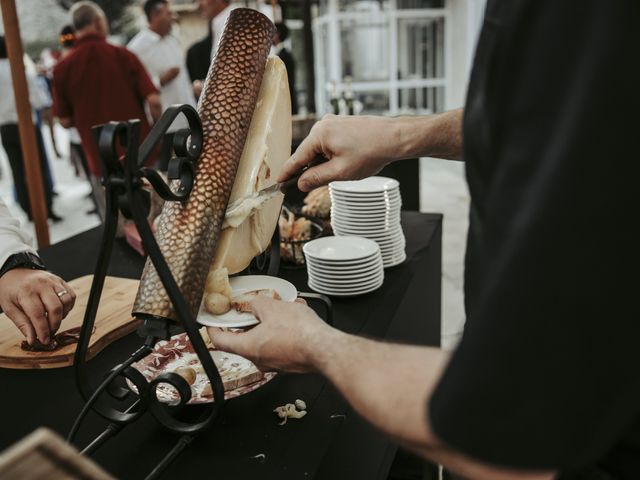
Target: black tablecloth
(331,442)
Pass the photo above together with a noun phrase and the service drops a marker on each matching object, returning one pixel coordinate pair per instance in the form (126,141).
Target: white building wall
(466,20)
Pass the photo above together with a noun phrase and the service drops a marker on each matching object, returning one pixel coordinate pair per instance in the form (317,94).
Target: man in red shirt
(98,83)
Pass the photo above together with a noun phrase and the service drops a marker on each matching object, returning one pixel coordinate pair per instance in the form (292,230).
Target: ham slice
(242,303)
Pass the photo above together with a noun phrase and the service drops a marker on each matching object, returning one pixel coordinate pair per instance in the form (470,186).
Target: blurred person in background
(200,53)
(161,54)
(97,83)
(76,154)
(77,157)
(282,33)
(10,133)
(44,69)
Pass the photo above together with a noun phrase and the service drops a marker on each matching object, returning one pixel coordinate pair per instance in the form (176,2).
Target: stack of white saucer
(370,208)
(343,266)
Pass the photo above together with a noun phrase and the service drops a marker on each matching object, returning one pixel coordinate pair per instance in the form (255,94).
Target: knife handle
(289,183)
(296,176)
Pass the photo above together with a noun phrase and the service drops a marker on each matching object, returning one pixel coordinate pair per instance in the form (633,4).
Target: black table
(331,442)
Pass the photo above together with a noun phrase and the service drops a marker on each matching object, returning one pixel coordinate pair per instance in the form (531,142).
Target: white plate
(379,228)
(340,249)
(376,235)
(395,239)
(393,256)
(364,271)
(240,285)
(394,250)
(357,229)
(366,219)
(334,293)
(334,289)
(378,205)
(348,270)
(345,269)
(368,185)
(372,235)
(395,261)
(349,284)
(346,284)
(352,263)
(346,288)
(390,248)
(366,216)
(357,209)
(380,193)
(335,187)
(365,201)
(386,246)
(353,214)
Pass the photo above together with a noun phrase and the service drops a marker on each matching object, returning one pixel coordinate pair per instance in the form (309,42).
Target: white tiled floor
(71,203)
(442,186)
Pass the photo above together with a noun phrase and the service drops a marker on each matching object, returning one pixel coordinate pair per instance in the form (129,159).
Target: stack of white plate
(370,208)
(343,266)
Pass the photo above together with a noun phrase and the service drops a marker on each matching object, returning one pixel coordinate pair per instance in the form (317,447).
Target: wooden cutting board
(113,321)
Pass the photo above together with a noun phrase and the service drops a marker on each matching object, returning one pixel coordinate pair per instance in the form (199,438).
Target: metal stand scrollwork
(123,183)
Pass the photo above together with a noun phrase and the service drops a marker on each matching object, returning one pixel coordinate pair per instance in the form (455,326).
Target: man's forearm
(382,381)
(390,386)
(431,136)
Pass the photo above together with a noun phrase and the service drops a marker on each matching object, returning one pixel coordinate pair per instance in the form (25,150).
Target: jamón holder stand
(123,182)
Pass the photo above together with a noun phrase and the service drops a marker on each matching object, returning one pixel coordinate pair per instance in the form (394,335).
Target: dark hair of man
(83,14)
(67,36)
(283,31)
(150,6)
(3,47)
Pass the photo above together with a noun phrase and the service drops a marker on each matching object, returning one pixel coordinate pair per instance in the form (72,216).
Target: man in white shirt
(200,53)
(160,53)
(10,133)
(34,299)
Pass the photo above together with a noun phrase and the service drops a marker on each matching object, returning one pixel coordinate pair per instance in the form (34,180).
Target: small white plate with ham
(243,290)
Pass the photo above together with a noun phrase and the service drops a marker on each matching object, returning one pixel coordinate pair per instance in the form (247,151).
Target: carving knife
(255,200)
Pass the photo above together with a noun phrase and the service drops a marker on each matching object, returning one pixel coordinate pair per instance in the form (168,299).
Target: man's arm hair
(437,135)
(390,385)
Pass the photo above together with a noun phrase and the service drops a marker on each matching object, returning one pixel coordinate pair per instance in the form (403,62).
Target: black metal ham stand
(123,181)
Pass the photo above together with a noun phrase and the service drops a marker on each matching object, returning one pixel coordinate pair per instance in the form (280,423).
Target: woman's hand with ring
(36,301)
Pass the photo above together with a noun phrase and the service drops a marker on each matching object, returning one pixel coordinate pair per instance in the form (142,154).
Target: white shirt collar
(152,35)
(218,22)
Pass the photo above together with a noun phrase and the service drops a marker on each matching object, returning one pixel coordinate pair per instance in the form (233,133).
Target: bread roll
(217,303)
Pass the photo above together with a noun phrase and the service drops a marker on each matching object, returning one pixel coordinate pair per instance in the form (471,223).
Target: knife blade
(269,192)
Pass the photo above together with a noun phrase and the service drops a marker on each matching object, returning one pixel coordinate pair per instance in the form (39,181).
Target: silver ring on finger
(61,293)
